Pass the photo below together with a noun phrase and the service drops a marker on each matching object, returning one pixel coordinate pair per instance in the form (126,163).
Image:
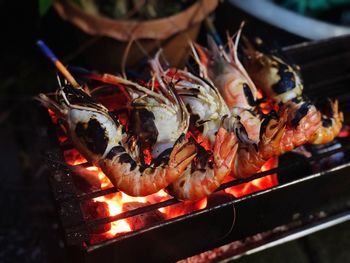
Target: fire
(259,94)
(115,207)
(204,142)
(91,178)
(120,202)
(257,184)
(116,203)
(73,157)
(344,132)
(267,106)
(52,116)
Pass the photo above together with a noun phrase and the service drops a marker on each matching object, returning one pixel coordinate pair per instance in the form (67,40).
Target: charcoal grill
(296,207)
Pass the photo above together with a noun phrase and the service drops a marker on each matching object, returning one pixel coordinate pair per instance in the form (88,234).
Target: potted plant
(129,30)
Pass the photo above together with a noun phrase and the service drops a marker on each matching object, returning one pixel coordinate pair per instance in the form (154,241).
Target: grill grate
(152,207)
(229,220)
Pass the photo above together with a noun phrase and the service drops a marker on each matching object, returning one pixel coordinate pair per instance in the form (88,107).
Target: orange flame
(119,202)
(116,203)
(344,132)
(257,184)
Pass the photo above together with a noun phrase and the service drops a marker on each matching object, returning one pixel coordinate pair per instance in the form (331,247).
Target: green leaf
(44,6)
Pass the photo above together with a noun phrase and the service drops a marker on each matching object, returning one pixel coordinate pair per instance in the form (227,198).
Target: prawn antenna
(213,32)
(60,67)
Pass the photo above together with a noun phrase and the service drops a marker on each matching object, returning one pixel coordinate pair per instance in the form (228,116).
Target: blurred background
(29,227)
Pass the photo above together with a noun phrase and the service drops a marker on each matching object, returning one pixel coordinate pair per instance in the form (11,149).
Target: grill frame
(212,227)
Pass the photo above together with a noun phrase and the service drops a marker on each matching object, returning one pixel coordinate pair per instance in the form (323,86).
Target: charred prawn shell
(226,72)
(92,129)
(278,79)
(332,123)
(282,83)
(100,138)
(216,146)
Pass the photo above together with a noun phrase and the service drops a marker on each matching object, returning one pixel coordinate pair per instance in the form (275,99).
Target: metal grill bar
(97,193)
(255,212)
(223,186)
(103,221)
(134,212)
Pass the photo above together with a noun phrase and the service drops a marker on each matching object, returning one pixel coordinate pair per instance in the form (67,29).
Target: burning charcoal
(85,180)
(93,210)
(110,97)
(345,132)
(73,157)
(142,220)
(184,207)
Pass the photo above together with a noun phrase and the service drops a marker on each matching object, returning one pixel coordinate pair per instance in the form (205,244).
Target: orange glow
(257,184)
(52,116)
(183,208)
(203,141)
(73,157)
(61,139)
(147,153)
(344,132)
(119,202)
(115,207)
(116,203)
(267,106)
(259,94)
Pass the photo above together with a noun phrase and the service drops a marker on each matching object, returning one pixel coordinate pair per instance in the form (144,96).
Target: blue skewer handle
(61,68)
(46,51)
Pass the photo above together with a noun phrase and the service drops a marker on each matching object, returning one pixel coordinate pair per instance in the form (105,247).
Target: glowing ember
(184,207)
(259,94)
(345,131)
(115,207)
(116,203)
(257,184)
(91,178)
(267,106)
(119,202)
(52,116)
(73,157)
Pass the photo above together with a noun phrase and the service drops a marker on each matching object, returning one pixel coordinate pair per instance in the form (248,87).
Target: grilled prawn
(282,83)
(228,75)
(157,117)
(212,127)
(250,159)
(102,140)
(331,125)
(206,172)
